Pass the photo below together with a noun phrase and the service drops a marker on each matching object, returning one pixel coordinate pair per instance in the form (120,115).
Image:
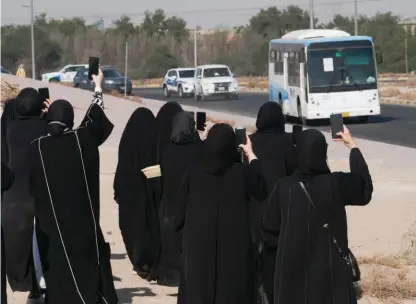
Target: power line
(204,11)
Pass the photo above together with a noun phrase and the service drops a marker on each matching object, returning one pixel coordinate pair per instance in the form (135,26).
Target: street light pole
(311,15)
(195,48)
(406,55)
(32,36)
(356,17)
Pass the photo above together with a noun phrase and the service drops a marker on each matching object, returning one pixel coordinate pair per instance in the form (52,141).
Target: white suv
(215,80)
(179,81)
(66,74)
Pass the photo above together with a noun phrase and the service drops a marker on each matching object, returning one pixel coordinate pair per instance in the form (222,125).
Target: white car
(179,81)
(66,74)
(215,80)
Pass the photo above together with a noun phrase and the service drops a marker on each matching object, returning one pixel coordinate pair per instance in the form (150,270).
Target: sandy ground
(373,230)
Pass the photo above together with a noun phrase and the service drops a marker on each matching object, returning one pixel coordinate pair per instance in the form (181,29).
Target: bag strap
(325,225)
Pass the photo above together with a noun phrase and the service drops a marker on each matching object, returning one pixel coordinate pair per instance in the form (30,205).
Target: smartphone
(201,119)
(337,124)
(296,130)
(43,94)
(240,134)
(93,66)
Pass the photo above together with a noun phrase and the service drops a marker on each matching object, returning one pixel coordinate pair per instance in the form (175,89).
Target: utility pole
(195,48)
(406,55)
(311,15)
(32,34)
(356,17)
(125,69)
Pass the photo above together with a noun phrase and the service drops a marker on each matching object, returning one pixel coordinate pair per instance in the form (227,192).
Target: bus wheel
(363,119)
(302,119)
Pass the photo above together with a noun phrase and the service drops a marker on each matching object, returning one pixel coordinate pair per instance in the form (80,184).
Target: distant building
(409,25)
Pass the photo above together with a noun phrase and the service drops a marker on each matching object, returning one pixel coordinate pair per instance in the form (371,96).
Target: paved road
(397,125)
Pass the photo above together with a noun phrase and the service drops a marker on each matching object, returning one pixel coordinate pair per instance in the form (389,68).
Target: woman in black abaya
(275,150)
(218,261)
(23,125)
(308,266)
(184,150)
(135,195)
(65,178)
(164,120)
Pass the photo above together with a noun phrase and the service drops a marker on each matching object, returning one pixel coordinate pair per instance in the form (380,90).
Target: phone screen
(93,66)
(337,124)
(201,119)
(43,93)
(240,134)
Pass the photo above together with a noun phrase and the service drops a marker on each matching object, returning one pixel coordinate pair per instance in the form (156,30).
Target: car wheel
(166,92)
(53,80)
(180,92)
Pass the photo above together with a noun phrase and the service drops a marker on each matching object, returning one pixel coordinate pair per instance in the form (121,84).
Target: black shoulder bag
(347,256)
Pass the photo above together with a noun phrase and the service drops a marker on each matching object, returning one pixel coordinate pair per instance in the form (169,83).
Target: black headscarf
(164,120)
(311,150)
(137,148)
(60,117)
(220,149)
(28,103)
(270,118)
(183,129)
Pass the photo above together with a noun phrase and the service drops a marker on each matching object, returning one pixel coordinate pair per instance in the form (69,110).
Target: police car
(66,74)
(179,81)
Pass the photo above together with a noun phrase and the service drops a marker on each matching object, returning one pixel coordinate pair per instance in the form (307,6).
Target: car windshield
(187,74)
(111,73)
(341,69)
(216,72)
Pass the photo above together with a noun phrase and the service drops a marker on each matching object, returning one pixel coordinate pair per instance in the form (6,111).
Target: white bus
(316,73)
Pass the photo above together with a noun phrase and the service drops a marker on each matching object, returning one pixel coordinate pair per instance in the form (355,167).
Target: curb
(399,102)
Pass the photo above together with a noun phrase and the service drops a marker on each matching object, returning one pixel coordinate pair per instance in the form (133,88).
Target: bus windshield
(341,69)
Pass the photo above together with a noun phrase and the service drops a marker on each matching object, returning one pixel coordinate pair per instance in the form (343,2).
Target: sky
(207,14)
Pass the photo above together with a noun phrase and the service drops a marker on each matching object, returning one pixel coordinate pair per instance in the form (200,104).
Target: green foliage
(161,42)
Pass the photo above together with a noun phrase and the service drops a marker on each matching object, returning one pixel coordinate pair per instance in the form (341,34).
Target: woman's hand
(203,134)
(347,138)
(248,149)
(46,105)
(98,79)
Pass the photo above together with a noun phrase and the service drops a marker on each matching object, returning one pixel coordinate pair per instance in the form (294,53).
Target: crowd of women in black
(270,229)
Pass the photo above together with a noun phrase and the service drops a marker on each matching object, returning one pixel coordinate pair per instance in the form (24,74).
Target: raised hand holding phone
(248,149)
(347,139)
(98,79)
(93,66)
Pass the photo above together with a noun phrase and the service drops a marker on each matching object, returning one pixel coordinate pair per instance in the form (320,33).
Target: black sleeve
(98,123)
(255,182)
(7,177)
(272,219)
(355,188)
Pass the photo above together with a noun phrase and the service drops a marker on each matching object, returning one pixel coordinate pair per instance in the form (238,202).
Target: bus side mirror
(379,58)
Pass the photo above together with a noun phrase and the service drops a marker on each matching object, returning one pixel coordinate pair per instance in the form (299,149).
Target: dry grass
(390,92)
(8,91)
(391,278)
(214,121)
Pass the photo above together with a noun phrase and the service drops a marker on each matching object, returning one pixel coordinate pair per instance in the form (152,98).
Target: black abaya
(308,266)
(23,125)
(135,195)
(164,120)
(7,178)
(276,153)
(218,259)
(183,151)
(65,184)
